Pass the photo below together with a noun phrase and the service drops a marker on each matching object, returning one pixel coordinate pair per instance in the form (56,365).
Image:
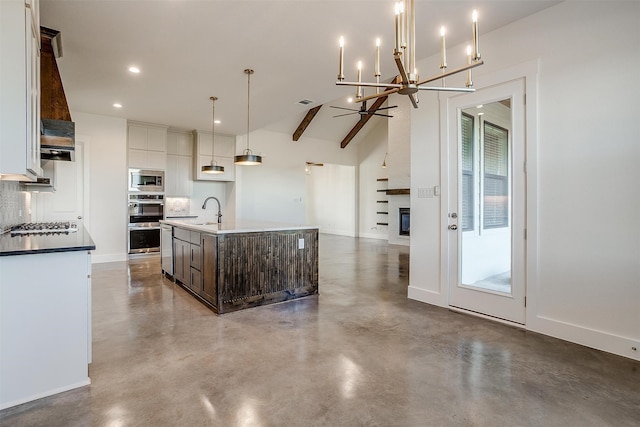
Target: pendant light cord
(248,101)
(213,125)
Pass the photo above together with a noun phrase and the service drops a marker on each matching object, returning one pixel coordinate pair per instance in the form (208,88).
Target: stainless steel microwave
(146,180)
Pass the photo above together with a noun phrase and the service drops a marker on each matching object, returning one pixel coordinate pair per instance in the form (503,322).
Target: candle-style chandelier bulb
(404,57)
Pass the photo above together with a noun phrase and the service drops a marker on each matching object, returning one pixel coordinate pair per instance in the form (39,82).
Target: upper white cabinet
(147,146)
(225,149)
(178,179)
(20,89)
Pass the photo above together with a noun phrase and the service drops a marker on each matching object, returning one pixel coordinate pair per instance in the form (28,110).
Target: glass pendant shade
(212,167)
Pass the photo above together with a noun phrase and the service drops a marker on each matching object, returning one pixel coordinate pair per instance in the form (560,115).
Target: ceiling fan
(363,110)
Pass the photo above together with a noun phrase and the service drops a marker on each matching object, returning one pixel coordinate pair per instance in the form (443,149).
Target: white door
(68,201)
(486,216)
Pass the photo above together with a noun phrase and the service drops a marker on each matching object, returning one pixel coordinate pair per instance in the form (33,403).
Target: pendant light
(247,158)
(213,167)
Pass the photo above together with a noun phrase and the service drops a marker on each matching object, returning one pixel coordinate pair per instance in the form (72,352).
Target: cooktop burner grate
(58,227)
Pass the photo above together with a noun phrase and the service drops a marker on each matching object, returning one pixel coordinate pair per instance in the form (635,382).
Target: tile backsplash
(15,205)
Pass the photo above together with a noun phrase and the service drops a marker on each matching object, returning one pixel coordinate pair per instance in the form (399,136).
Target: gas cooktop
(47,228)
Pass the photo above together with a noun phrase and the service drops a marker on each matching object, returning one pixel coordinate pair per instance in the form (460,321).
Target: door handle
(453,227)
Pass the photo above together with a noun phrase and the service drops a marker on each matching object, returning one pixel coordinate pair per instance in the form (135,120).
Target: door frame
(528,71)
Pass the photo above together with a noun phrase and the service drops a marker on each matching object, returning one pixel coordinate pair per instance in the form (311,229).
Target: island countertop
(240,226)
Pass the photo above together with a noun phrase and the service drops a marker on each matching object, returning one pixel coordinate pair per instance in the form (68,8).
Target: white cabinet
(46,324)
(147,146)
(225,148)
(20,89)
(178,176)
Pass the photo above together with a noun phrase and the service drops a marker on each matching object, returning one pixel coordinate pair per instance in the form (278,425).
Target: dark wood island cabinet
(231,267)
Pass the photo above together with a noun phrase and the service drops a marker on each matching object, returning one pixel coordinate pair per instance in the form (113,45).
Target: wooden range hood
(57,131)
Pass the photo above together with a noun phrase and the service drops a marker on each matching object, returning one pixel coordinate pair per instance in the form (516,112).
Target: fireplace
(405,222)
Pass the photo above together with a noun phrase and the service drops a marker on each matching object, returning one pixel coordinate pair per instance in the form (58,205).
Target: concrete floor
(360,353)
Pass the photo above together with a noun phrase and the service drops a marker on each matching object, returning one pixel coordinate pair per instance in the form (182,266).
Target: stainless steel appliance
(145,213)
(166,251)
(146,180)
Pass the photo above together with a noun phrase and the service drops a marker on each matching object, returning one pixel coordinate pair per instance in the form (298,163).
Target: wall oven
(145,213)
(146,180)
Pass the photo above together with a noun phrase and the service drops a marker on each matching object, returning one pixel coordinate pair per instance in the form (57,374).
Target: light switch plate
(424,193)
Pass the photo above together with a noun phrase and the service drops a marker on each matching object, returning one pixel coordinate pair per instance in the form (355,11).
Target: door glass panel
(485,197)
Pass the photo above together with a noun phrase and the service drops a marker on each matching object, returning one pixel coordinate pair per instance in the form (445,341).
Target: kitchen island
(237,265)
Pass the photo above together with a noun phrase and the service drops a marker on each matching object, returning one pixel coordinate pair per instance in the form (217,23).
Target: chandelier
(404,55)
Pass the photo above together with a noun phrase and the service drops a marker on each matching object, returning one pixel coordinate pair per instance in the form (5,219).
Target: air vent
(305,102)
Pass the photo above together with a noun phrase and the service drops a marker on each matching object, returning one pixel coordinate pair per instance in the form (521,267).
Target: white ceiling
(189,50)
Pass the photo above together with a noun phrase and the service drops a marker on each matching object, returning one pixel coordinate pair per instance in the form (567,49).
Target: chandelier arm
(394,85)
(413,100)
(401,70)
(452,72)
(379,95)
(447,89)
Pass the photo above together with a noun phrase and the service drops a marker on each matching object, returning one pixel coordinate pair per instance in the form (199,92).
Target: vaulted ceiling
(189,50)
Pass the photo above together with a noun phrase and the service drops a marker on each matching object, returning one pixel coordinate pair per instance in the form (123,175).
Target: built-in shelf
(382,201)
(382,223)
(398,191)
(382,179)
(382,213)
(384,190)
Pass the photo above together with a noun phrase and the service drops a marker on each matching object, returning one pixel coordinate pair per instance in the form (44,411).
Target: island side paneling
(266,267)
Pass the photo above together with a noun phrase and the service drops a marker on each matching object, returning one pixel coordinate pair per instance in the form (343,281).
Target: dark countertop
(26,244)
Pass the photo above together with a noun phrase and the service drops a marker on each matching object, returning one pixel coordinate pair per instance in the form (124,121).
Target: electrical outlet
(300,243)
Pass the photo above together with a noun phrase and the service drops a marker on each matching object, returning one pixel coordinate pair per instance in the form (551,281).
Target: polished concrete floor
(359,354)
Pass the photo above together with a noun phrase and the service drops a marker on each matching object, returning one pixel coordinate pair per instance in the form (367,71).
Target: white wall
(584,248)
(108,183)
(399,166)
(331,199)
(276,190)
(371,151)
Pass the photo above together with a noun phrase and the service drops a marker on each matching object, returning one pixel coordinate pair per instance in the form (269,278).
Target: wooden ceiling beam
(305,122)
(364,119)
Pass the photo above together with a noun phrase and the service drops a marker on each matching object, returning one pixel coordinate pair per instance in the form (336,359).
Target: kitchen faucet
(204,206)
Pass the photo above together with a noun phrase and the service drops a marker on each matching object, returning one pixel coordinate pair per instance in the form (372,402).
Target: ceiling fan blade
(347,114)
(381,115)
(343,108)
(386,108)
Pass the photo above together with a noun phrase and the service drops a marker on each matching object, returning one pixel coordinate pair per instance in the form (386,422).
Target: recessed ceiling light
(134,70)
(305,101)
(216,122)
(479,106)
(116,105)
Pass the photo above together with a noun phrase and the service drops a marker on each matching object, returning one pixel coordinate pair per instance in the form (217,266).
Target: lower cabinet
(187,259)
(181,265)
(209,269)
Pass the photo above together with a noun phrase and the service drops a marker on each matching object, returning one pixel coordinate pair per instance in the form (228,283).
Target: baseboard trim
(99,259)
(599,340)
(37,396)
